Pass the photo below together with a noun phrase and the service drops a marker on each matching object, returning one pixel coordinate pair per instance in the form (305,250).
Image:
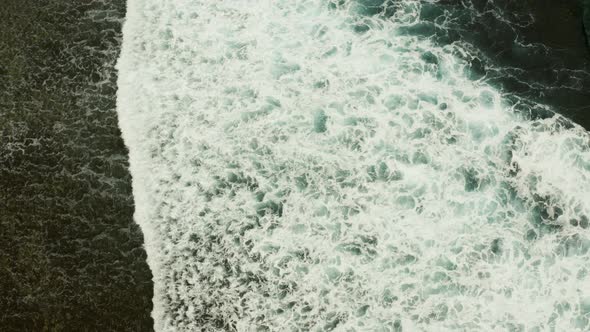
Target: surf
(320,165)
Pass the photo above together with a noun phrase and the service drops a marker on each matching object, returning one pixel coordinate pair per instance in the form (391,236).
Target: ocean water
(71,257)
(327,165)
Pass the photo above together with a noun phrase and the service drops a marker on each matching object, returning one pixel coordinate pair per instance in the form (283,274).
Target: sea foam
(304,165)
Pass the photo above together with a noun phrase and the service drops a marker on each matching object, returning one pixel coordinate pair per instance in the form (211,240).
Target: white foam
(291,173)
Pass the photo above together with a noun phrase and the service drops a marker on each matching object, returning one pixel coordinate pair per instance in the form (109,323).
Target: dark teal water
(536,50)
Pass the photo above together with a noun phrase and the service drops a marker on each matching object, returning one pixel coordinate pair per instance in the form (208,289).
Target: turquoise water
(325,165)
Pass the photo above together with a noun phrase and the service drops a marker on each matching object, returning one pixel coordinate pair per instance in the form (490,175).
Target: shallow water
(71,257)
(347,165)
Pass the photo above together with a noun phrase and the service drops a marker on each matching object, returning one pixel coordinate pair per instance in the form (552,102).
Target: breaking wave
(317,165)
